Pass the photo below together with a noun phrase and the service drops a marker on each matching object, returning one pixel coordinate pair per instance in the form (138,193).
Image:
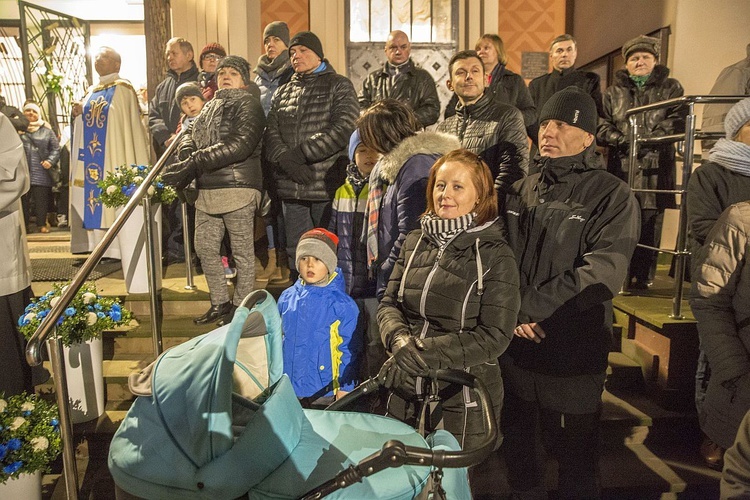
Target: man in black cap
(402,79)
(573,227)
(311,119)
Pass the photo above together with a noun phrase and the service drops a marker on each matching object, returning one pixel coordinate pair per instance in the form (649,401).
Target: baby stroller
(216,418)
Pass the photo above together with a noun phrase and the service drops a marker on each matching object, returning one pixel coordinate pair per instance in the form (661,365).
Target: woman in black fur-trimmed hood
(643,81)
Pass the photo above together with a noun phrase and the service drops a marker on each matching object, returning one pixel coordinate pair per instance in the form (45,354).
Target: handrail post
(681,256)
(190,285)
(632,166)
(153,284)
(70,470)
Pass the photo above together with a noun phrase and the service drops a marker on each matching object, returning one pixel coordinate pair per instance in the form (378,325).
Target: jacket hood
(488,231)
(335,283)
(658,77)
(426,143)
(556,168)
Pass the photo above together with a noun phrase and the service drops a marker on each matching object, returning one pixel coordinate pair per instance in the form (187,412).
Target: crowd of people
(493,242)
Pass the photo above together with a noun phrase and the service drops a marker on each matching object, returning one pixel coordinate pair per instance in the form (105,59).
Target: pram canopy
(215,418)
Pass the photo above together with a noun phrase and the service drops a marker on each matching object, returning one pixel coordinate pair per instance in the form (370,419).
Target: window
(425,21)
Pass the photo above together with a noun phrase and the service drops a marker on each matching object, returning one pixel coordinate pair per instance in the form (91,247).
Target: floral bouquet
(118,186)
(85,318)
(29,435)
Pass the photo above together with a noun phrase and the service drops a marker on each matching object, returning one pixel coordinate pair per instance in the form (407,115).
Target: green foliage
(85,318)
(118,186)
(29,435)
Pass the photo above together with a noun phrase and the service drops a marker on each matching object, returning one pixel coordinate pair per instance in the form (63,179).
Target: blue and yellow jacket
(320,346)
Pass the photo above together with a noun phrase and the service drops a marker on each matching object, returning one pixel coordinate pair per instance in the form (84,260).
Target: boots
(278,267)
(266,273)
(214,313)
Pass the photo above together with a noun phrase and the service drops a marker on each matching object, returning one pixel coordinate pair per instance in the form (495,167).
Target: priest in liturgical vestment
(107,133)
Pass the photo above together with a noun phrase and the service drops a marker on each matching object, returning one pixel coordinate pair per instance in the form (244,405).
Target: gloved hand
(405,363)
(293,163)
(623,146)
(179,175)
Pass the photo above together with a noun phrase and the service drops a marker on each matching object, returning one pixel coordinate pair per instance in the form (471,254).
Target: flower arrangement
(29,435)
(85,318)
(118,186)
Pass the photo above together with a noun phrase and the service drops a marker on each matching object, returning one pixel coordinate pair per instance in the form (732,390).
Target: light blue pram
(215,418)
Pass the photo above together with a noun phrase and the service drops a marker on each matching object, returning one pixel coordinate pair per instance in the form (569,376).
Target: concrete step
(623,373)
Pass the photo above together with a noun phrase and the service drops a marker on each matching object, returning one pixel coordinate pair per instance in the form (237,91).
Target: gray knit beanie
(321,244)
(738,116)
(239,63)
(186,90)
(278,29)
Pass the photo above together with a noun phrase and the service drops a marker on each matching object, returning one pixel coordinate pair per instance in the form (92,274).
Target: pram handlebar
(395,454)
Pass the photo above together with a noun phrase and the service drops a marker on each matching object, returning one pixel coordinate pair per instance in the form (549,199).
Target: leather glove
(406,363)
(293,163)
(179,175)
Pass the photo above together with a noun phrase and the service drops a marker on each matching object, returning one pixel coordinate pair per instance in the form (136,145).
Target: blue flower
(60,320)
(29,307)
(129,190)
(26,413)
(14,444)
(115,314)
(3,451)
(54,422)
(22,320)
(141,168)
(42,314)
(100,315)
(98,306)
(159,185)
(70,311)
(11,468)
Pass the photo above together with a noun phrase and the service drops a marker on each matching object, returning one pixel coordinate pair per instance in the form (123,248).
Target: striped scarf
(441,231)
(372,213)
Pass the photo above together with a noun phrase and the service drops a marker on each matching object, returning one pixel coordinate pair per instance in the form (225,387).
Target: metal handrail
(691,133)
(48,324)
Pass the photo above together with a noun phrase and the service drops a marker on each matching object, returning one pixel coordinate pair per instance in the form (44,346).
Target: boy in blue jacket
(318,320)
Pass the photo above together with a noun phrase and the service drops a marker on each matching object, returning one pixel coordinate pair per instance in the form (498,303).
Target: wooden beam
(157,26)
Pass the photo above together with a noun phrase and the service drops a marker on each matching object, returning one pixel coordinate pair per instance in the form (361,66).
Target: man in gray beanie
(573,228)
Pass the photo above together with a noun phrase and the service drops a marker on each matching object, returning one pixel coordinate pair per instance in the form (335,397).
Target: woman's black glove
(405,363)
(179,175)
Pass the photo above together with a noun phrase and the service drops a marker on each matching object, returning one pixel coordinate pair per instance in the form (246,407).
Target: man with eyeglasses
(402,79)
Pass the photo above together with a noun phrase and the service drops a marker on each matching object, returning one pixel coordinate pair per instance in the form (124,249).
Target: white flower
(30,316)
(39,443)
(89,297)
(137,180)
(3,405)
(27,406)
(118,175)
(91,318)
(151,190)
(17,422)
(134,169)
(111,189)
(64,289)
(54,301)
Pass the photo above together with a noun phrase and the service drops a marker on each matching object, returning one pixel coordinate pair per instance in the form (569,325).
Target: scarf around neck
(378,185)
(34,126)
(355,177)
(441,231)
(640,81)
(732,155)
(271,68)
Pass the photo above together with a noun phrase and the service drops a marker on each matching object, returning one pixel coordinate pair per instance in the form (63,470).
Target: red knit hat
(213,48)
(321,244)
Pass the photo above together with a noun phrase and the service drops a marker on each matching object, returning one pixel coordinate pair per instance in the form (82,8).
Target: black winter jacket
(313,116)
(415,87)
(233,161)
(163,111)
(462,300)
(573,227)
(655,163)
(711,190)
(16,116)
(509,88)
(494,131)
(543,87)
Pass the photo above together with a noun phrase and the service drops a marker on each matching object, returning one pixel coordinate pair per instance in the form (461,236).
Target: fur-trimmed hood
(659,75)
(427,143)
